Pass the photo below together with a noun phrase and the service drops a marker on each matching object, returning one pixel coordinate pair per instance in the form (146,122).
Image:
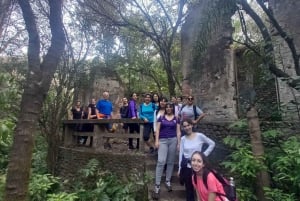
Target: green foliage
(41,185)
(10,91)
(39,166)
(282,161)
(62,197)
(278,195)
(240,125)
(98,185)
(2,186)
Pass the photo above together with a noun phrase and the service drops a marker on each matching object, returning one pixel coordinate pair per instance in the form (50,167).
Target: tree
(37,84)
(157,20)
(4,12)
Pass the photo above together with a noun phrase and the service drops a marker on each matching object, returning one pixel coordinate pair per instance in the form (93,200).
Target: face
(134,96)
(169,109)
(174,100)
(190,100)
(187,127)
(197,162)
(124,100)
(179,100)
(93,101)
(105,95)
(162,103)
(155,97)
(78,103)
(147,98)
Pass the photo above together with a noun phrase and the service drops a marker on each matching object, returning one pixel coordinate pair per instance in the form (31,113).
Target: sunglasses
(190,98)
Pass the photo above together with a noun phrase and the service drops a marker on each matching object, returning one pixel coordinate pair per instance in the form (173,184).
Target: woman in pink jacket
(207,186)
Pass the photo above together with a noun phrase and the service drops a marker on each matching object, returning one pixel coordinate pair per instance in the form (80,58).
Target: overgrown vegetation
(281,160)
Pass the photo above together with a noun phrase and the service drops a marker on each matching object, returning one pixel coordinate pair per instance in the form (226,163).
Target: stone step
(178,191)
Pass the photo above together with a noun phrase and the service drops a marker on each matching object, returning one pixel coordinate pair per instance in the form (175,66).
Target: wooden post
(68,136)
(142,144)
(98,139)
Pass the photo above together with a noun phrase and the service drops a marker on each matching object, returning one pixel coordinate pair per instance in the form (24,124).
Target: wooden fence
(100,133)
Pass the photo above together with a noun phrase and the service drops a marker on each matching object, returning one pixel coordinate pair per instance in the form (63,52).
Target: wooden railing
(100,133)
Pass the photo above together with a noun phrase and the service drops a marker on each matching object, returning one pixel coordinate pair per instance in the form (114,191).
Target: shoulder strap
(153,107)
(182,107)
(195,112)
(141,108)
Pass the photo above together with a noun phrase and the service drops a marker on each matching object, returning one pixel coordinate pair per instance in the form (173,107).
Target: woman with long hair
(206,184)
(133,114)
(191,142)
(167,140)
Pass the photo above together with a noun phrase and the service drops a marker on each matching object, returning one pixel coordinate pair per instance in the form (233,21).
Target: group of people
(173,127)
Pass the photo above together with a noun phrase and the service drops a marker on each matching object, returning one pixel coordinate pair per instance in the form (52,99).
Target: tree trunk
(263,179)
(37,85)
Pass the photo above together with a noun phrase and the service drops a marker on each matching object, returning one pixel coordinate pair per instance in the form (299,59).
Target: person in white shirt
(191,142)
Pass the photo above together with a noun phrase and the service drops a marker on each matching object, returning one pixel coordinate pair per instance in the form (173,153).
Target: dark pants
(132,129)
(187,179)
(148,129)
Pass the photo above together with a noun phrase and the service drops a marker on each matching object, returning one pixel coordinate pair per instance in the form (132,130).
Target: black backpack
(196,115)
(230,191)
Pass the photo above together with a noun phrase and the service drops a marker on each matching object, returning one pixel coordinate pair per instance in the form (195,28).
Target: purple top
(168,129)
(132,109)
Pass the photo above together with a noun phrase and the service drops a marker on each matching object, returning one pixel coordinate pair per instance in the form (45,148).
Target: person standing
(155,99)
(160,111)
(191,142)
(92,114)
(191,111)
(133,114)
(77,113)
(105,107)
(167,139)
(206,184)
(147,110)
(176,105)
(124,113)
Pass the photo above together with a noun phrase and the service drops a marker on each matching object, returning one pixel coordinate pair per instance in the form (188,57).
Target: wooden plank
(101,121)
(76,133)
(120,135)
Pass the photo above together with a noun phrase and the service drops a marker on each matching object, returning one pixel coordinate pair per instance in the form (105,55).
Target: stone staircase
(178,192)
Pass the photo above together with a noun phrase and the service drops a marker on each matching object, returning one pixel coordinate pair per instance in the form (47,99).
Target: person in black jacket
(124,112)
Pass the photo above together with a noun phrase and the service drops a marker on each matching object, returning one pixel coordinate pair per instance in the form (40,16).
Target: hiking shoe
(155,194)
(168,186)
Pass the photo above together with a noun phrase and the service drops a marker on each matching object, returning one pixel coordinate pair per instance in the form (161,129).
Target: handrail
(70,135)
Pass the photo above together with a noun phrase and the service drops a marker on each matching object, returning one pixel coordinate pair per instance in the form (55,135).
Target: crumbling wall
(207,60)
(288,15)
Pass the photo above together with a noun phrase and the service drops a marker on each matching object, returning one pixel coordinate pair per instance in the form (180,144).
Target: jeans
(166,154)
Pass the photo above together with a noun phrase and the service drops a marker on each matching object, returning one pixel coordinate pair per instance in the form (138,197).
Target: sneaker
(155,195)
(168,186)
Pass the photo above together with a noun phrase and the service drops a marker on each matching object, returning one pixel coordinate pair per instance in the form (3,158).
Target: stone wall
(127,166)
(103,79)
(287,14)
(207,60)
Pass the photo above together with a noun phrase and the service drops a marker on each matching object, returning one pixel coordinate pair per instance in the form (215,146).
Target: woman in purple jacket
(132,113)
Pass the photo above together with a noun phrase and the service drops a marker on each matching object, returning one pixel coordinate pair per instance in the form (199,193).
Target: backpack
(230,191)
(196,115)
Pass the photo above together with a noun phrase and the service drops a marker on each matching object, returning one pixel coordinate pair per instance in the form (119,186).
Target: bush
(282,161)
